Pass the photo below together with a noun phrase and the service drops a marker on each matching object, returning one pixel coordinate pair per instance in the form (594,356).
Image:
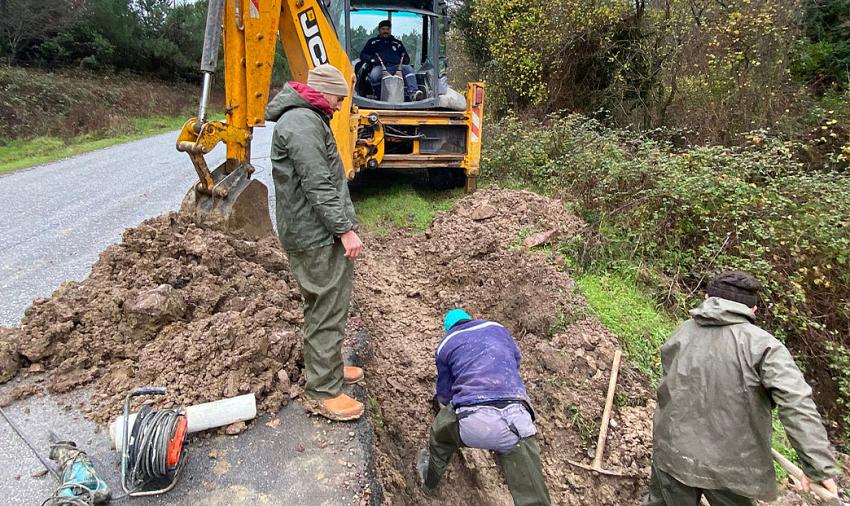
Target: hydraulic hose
(209,59)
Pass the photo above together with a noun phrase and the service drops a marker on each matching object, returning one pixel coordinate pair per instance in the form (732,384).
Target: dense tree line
(152,37)
(714,68)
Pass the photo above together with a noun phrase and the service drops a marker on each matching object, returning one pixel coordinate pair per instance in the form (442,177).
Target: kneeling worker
(484,405)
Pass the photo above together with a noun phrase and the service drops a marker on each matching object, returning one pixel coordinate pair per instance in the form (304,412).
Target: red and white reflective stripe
(476,123)
(254,8)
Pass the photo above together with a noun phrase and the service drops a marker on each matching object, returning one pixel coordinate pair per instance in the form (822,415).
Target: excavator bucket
(237,204)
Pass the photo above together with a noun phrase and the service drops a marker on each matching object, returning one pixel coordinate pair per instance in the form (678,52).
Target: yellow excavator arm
(248,30)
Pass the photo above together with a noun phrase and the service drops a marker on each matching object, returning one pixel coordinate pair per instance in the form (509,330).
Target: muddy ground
(207,314)
(489,255)
(213,316)
(477,257)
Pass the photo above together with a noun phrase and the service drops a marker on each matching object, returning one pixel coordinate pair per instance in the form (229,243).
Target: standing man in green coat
(318,229)
(712,430)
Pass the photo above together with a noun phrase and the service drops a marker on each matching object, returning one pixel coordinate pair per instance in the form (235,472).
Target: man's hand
(806,485)
(352,244)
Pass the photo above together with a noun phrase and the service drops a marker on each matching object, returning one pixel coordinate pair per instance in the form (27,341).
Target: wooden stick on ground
(606,413)
(603,428)
(796,472)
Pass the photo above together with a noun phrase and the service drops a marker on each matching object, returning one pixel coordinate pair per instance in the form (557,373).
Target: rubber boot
(341,408)
(352,375)
(429,486)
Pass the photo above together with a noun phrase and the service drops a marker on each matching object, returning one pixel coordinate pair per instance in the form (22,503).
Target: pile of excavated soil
(204,314)
(476,256)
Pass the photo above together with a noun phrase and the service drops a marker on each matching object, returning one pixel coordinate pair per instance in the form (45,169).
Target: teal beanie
(454,316)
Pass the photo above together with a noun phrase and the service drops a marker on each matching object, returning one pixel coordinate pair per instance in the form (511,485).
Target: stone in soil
(10,360)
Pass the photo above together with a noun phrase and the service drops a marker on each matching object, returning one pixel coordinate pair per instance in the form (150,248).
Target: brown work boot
(352,375)
(341,408)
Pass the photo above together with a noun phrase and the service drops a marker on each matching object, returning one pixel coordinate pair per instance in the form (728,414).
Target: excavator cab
(439,130)
(421,31)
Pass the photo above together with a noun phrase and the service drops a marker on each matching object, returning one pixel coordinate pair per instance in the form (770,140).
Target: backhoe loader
(440,131)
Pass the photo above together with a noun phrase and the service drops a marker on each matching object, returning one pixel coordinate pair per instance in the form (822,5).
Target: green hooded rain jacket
(311,191)
(722,376)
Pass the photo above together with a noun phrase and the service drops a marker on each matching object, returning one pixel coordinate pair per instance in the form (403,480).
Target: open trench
(475,257)
(226,313)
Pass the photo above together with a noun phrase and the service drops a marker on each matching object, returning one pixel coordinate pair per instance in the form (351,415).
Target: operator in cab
(389,50)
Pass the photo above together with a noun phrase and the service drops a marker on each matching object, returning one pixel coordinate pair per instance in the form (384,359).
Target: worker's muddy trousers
(665,490)
(521,466)
(324,277)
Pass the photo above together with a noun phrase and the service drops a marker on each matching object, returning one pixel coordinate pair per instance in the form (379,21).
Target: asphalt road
(54,221)
(56,218)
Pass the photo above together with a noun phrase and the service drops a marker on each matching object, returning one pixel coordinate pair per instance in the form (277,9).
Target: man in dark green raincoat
(318,229)
(712,430)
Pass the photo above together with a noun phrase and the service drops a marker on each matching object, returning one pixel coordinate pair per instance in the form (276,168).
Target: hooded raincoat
(312,201)
(313,209)
(722,376)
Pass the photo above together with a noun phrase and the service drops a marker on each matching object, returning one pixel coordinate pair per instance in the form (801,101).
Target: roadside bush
(712,70)
(824,51)
(686,214)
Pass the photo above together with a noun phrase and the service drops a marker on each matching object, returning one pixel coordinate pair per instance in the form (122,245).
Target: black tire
(446,179)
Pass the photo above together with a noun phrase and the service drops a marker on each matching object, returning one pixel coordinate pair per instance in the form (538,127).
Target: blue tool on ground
(80,485)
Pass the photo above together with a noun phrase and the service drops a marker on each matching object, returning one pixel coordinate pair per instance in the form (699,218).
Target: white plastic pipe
(201,416)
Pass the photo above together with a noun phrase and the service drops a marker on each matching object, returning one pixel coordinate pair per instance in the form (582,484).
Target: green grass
(642,328)
(632,315)
(382,208)
(375,414)
(783,446)
(21,154)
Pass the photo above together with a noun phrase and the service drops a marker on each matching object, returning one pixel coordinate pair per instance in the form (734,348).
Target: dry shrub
(36,103)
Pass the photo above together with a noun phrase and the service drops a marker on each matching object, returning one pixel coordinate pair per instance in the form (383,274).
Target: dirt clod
(540,238)
(26,390)
(283,381)
(235,428)
(483,212)
(10,360)
(199,312)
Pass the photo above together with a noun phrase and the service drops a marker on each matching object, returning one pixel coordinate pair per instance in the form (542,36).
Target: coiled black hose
(148,459)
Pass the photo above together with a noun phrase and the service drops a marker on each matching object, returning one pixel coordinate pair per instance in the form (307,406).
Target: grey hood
(715,312)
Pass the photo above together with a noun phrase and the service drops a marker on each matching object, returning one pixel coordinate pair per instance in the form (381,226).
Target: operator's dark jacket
(722,376)
(313,204)
(390,49)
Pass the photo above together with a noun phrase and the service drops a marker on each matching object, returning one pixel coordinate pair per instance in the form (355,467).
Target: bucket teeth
(237,204)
